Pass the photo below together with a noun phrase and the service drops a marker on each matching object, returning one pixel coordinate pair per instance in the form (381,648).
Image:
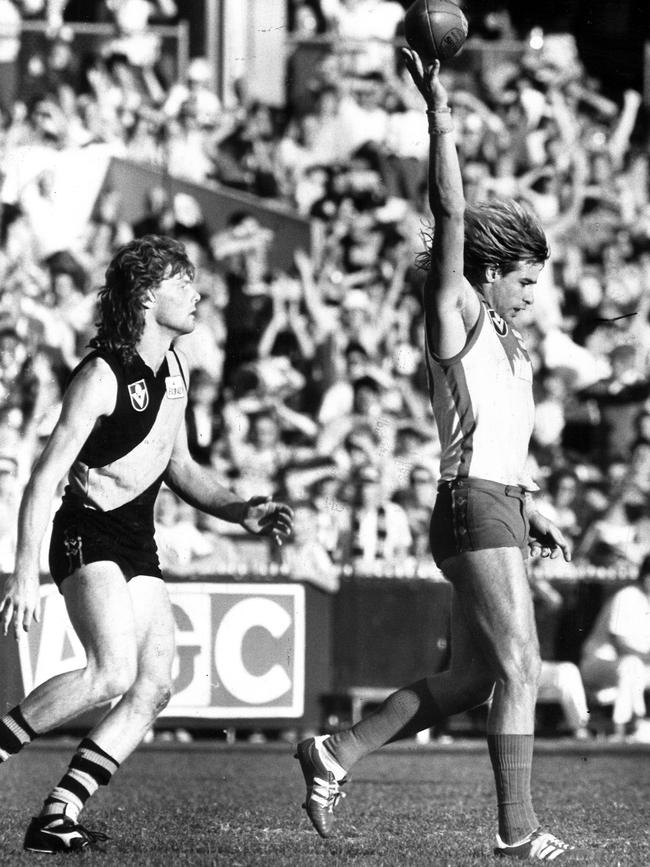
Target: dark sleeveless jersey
(120,467)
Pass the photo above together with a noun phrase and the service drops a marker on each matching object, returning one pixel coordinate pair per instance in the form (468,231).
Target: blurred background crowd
(308,379)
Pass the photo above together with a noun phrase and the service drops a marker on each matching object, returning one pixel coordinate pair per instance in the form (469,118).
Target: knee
(151,694)
(111,678)
(522,664)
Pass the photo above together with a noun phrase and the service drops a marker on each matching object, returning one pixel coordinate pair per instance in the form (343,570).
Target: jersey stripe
(119,482)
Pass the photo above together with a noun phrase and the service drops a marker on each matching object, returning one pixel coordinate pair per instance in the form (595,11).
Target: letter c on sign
(244,615)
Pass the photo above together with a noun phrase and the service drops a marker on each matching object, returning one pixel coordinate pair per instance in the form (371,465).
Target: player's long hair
(497,234)
(136,268)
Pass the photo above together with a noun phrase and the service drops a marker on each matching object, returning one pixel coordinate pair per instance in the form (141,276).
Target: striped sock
(89,769)
(512,760)
(15,733)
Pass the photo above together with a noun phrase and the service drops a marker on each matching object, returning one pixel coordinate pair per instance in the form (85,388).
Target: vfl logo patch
(499,324)
(139,395)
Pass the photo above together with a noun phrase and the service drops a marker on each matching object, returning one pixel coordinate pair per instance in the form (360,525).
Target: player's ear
(492,273)
(150,298)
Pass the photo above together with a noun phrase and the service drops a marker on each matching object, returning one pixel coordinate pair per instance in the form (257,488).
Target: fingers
(28,616)
(551,550)
(20,614)
(414,64)
(415,68)
(560,545)
(7,614)
(275,523)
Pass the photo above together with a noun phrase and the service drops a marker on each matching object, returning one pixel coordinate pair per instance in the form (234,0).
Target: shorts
(475,514)
(82,536)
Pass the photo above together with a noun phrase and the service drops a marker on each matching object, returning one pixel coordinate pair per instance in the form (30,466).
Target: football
(435,29)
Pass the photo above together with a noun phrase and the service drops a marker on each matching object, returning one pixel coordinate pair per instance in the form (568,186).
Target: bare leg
(121,730)
(127,722)
(494,593)
(99,607)
(493,589)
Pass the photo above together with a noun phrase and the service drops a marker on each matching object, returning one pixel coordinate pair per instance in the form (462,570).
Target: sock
(89,769)
(328,759)
(404,713)
(15,733)
(512,760)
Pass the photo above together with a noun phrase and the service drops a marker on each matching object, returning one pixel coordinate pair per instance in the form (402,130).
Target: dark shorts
(83,536)
(474,514)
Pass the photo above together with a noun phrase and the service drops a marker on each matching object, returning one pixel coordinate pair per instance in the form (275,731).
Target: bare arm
(392,296)
(199,486)
(92,394)
(451,306)
(323,321)
(620,140)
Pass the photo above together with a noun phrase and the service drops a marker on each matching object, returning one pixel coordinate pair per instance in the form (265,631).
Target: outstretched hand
(547,539)
(426,79)
(264,517)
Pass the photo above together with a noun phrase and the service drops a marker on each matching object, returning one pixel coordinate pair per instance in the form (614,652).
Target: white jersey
(626,615)
(482,401)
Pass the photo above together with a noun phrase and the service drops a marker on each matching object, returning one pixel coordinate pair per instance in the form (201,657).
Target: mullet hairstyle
(497,234)
(136,268)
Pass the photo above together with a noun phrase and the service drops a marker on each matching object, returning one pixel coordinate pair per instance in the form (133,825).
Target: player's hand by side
(19,603)
(265,517)
(426,79)
(547,539)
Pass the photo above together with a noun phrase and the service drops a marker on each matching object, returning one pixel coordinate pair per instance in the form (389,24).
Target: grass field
(238,806)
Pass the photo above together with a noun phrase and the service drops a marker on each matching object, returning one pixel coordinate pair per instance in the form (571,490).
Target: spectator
(619,399)
(198,91)
(256,449)
(616,655)
(366,24)
(185,551)
(332,514)
(379,536)
(201,416)
(304,557)
(563,491)
(417,500)
(560,681)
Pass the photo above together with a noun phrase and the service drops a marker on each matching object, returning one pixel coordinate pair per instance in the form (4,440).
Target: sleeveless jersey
(482,402)
(120,466)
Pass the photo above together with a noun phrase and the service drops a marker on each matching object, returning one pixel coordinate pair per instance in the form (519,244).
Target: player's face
(175,305)
(512,293)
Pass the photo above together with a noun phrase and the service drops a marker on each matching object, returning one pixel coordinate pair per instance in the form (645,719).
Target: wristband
(440,121)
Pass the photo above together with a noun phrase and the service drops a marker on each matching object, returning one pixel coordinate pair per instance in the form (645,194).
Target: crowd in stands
(310,381)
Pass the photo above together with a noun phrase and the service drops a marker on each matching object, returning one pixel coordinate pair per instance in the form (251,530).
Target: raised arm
(451,306)
(91,394)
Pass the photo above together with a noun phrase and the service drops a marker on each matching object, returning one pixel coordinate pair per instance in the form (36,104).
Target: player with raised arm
(482,264)
(121,433)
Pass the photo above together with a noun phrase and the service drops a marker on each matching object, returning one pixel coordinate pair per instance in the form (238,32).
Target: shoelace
(93,836)
(328,790)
